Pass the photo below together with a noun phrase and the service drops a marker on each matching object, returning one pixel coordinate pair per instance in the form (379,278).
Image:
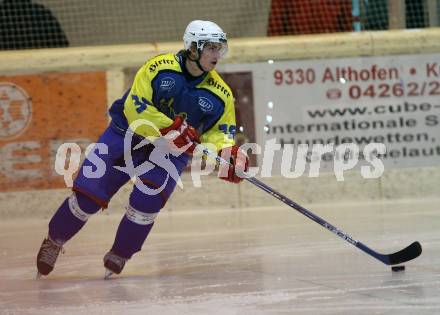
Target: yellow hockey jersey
(163,88)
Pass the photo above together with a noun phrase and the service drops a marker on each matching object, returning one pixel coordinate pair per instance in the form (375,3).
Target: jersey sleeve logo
(160,62)
(205,104)
(219,87)
(167,84)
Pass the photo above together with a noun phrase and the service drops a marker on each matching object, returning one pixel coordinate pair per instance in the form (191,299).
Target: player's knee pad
(140,217)
(81,206)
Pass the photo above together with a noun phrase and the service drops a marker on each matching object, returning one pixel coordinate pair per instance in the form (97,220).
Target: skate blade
(108,274)
(38,276)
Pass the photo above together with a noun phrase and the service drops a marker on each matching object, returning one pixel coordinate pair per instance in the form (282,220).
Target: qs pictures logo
(15,110)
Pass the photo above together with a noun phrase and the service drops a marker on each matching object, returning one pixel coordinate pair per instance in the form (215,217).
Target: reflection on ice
(233,261)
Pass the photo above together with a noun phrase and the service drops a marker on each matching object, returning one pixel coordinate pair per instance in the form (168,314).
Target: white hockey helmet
(201,32)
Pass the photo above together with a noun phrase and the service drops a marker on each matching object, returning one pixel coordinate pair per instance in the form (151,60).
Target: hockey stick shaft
(406,254)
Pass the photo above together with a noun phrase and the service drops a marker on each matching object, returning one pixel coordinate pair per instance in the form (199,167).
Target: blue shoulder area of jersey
(119,122)
(175,94)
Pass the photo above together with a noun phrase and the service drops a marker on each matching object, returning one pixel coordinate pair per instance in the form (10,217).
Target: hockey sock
(130,237)
(137,222)
(70,217)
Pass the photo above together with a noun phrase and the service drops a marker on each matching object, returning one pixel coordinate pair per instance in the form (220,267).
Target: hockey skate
(47,256)
(113,264)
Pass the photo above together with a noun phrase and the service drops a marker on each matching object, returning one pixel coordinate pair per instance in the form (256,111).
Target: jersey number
(141,105)
(228,130)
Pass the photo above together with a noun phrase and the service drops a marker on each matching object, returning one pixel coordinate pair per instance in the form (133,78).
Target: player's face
(211,54)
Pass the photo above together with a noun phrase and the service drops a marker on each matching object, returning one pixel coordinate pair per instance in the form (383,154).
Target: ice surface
(234,261)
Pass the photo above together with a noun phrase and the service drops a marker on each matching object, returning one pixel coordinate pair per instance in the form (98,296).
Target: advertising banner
(40,112)
(394,100)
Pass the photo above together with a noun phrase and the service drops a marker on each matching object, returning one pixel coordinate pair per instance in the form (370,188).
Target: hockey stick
(408,253)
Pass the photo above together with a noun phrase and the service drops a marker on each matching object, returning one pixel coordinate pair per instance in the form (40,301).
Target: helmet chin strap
(197,61)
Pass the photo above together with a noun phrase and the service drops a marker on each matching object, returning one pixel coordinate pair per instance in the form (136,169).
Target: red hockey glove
(239,161)
(182,136)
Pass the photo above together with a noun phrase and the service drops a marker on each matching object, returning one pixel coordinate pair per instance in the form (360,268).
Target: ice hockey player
(184,101)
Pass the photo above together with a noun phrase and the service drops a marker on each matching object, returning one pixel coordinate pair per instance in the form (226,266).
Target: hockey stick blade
(408,253)
(412,251)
